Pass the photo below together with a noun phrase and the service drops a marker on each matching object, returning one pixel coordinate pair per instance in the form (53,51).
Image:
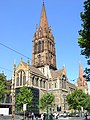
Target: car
(65,114)
(61,114)
(1,115)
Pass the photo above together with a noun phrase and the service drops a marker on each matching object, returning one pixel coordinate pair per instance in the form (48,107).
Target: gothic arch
(21,78)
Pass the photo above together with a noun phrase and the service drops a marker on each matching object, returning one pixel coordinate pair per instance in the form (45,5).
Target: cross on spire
(43,1)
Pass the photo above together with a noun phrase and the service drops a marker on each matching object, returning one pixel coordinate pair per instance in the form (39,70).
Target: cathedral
(43,76)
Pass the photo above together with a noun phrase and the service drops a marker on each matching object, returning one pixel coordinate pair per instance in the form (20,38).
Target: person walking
(29,116)
(86,115)
(32,116)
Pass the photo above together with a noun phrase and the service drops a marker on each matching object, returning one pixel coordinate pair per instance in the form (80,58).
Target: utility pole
(13,93)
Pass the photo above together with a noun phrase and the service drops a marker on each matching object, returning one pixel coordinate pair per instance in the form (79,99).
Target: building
(81,82)
(5,103)
(42,76)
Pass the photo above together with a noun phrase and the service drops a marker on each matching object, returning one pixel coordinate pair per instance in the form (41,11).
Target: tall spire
(80,70)
(43,44)
(43,19)
(81,82)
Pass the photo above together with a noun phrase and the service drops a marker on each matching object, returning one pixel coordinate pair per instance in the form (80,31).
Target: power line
(6,69)
(15,51)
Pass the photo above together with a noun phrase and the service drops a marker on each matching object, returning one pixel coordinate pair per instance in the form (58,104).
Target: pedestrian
(42,116)
(29,116)
(32,116)
(86,115)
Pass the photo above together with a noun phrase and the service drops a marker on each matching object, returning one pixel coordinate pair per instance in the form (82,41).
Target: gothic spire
(80,71)
(43,18)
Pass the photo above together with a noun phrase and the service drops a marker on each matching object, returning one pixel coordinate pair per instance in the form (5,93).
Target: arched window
(50,45)
(39,59)
(39,46)
(20,77)
(24,79)
(32,80)
(36,81)
(42,46)
(35,48)
(63,81)
(53,48)
(55,85)
(51,59)
(49,85)
(17,80)
(41,83)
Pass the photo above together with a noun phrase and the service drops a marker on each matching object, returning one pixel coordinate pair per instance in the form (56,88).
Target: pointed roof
(56,73)
(80,70)
(23,65)
(43,19)
(64,69)
(81,82)
(80,79)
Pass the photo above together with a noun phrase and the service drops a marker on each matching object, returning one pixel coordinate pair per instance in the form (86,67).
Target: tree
(77,99)
(46,101)
(87,103)
(84,39)
(87,74)
(23,97)
(3,89)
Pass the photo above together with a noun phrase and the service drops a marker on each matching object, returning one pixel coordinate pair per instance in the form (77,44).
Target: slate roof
(36,70)
(56,73)
(33,69)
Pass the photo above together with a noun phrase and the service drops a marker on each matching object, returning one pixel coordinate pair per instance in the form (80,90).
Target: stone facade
(43,74)
(58,84)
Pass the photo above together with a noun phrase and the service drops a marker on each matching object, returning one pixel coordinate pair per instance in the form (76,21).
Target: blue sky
(18,21)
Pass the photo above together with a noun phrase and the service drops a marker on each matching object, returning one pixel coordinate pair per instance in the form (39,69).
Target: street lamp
(13,93)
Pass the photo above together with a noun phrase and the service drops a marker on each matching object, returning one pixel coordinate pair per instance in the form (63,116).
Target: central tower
(43,53)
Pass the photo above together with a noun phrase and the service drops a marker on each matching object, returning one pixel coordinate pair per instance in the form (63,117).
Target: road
(61,118)
(10,117)
(73,118)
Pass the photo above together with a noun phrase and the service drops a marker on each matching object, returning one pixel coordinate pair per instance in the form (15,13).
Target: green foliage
(46,101)
(23,97)
(84,39)
(87,74)
(3,88)
(77,99)
(87,103)
(2,77)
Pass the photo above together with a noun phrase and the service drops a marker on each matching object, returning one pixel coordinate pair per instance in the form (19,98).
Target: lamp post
(47,109)
(13,93)
(24,109)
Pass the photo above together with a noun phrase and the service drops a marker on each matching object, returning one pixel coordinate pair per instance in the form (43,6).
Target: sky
(18,19)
